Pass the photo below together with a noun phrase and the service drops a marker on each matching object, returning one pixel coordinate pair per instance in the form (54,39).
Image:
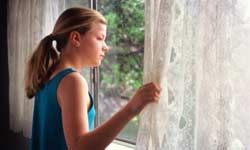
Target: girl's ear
(75,38)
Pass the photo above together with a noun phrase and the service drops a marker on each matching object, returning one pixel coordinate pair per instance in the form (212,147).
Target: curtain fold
(28,22)
(198,51)
(159,19)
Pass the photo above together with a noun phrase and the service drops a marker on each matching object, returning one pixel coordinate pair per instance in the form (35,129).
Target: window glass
(121,71)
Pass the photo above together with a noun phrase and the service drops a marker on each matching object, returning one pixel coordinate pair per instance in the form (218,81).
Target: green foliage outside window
(122,71)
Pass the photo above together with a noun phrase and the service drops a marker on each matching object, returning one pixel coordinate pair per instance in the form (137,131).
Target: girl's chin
(97,64)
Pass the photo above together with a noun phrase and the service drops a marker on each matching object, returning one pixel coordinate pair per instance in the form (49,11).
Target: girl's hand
(148,93)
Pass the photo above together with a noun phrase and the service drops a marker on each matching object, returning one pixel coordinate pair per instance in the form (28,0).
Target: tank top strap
(59,76)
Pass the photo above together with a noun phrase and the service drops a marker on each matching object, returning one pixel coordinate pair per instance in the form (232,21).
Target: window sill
(118,145)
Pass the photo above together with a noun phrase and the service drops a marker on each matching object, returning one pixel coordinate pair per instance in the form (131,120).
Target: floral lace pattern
(198,50)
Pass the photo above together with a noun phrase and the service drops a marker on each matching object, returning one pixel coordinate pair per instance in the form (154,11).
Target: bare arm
(72,94)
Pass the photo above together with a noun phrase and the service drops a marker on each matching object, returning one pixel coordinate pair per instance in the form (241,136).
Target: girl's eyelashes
(99,38)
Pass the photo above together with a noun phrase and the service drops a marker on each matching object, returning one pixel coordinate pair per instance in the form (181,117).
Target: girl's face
(93,46)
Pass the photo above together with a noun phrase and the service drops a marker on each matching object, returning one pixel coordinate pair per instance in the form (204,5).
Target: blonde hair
(44,58)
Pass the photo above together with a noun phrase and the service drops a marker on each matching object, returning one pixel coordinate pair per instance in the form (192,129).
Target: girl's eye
(99,38)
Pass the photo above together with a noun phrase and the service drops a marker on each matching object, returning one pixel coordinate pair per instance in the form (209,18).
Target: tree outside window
(122,70)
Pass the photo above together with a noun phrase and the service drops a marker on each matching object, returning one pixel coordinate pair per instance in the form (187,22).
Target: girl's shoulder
(72,86)
(74,79)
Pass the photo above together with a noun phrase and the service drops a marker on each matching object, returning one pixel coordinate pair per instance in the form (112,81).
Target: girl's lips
(101,56)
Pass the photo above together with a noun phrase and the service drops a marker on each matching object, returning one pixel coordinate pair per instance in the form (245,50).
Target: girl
(64,111)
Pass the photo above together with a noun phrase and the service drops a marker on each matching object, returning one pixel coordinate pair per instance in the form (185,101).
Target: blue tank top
(47,128)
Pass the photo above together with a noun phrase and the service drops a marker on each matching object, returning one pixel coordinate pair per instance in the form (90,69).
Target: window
(121,71)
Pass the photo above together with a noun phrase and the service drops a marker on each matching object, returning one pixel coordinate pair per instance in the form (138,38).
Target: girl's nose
(105,47)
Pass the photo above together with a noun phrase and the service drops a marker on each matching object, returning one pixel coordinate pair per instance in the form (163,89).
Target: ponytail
(39,66)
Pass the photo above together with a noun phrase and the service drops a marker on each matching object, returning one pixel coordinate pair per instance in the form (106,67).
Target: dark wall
(4,74)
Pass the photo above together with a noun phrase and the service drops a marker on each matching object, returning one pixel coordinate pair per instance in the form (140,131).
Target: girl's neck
(69,61)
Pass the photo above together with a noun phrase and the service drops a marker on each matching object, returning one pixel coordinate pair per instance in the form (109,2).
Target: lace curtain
(198,51)
(28,22)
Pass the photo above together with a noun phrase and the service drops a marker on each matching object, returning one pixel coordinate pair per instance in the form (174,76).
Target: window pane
(121,71)
(75,3)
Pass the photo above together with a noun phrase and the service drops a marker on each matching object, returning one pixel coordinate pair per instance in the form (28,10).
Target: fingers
(153,85)
(149,93)
(156,96)
(156,89)
(152,92)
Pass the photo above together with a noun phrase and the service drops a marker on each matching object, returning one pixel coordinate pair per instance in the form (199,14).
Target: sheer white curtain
(28,22)
(198,50)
